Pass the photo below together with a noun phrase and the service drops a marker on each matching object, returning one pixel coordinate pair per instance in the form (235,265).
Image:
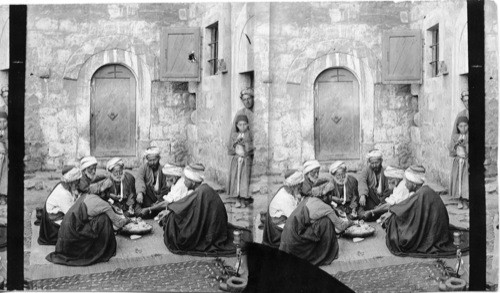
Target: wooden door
(112,112)
(176,46)
(337,124)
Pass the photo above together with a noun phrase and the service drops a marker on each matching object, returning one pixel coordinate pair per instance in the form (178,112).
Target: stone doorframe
(143,95)
(303,74)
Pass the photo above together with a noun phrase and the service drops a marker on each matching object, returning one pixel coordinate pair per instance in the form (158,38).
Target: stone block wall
(63,39)
(306,35)
(209,135)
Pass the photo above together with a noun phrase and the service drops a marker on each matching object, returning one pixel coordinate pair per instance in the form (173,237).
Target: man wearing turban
(198,224)
(310,231)
(419,226)
(119,188)
(312,185)
(178,190)
(283,203)
(59,201)
(397,191)
(91,182)
(150,184)
(372,184)
(342,192)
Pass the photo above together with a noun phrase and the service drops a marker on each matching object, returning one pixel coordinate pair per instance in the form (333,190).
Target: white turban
(294,179)
(193,175)
(87,162)
(311,165)
(152,151)
(392,172)
(415,174)
(172,170)
(71,174)
(113,163)
(335,166)
(376,154)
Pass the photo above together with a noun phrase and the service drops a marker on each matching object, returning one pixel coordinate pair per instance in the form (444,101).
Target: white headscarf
(87,162)
(172,170)
(415,174)
(376,154)
(71,175)
(193,175)
(336,166)
(294,179)
(152,151)
(311,165)
(392,172)
(114,162)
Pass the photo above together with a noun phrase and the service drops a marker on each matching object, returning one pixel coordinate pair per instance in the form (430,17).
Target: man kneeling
(310,232)
(87,234)
(197,224)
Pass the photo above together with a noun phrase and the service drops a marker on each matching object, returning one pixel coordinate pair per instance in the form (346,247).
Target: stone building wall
(307,38)
(66,44)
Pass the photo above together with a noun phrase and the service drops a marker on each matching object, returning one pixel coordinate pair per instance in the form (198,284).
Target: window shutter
(176,46)
(402,57)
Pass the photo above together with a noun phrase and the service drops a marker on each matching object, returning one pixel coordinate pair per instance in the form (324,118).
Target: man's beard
(90,176)
(341,181)
(313,180)
(376,169)
(155,166)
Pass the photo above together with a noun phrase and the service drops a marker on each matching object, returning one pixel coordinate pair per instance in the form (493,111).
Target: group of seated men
(83,211)
(306,214)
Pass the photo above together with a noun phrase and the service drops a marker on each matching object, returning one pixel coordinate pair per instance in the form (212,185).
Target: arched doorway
(112,112)
(336,115)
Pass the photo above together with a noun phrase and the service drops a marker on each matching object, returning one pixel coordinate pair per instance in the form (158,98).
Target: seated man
(396,190)
(150,184)
(311,185)
(120,188)
(89,183)
(177,188)
(372,184)
(197,224)
(342,192)
(419,226)
(4,172)
(87,233)
(281,207)
(310,232)
(59,201)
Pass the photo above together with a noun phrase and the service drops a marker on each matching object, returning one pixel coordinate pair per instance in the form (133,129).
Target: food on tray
(137,226)
(360,230)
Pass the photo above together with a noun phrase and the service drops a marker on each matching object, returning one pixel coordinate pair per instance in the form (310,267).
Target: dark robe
(197,225)
(272,233)
(83,241)
(86,185)
(48,228)
(129,196)
(145,182)
(419,227)
(315,241)
(352,197)
(271,270)
(367,185)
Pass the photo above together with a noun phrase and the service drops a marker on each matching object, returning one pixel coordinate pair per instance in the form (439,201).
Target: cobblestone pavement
(191,276)
(410,277)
